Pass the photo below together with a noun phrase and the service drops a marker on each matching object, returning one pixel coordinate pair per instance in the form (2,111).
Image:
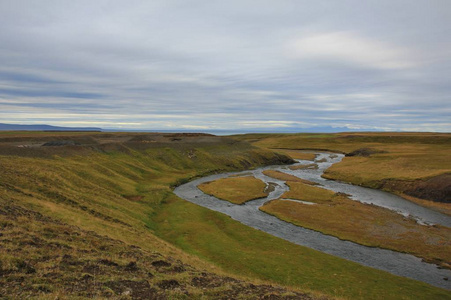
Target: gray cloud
(227,64)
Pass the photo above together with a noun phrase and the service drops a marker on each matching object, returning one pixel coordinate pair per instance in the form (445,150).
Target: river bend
(394,262)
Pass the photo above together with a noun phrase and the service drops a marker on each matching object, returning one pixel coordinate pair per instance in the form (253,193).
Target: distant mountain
(43,127)
(322,129)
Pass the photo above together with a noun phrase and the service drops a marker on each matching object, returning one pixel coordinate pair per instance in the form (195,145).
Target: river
(391,261)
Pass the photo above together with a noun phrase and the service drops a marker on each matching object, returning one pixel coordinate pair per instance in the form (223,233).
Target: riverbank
(249,214)
(101,209)
(366,224)
(412,165)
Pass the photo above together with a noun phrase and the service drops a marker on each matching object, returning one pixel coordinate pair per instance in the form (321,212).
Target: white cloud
(349,47)
(229,64)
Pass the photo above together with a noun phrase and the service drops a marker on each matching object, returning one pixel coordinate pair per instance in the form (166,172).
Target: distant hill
(43,127)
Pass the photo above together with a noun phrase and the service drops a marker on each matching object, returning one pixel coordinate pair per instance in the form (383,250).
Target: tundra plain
(93,215)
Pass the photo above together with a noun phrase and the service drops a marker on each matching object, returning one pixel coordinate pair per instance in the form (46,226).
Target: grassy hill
(93,215)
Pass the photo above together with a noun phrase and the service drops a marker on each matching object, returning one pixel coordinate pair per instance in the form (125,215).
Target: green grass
(124,192)
(242,250)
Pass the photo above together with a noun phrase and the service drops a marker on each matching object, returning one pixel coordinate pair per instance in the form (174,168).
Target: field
(335,214)
(236,190)
(416,166)
(93,215)
(286,177)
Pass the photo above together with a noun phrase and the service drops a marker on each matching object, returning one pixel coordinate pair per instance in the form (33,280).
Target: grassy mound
(236,190)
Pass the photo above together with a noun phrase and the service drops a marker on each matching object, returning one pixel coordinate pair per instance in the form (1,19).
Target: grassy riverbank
(286,177)
(370,225)
(415,165)
(237,190)
(239,249)
(95,216)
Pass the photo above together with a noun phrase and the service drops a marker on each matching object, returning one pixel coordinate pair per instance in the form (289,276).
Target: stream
(391,261)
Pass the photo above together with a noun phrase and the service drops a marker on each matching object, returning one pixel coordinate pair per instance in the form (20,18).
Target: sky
(230,65)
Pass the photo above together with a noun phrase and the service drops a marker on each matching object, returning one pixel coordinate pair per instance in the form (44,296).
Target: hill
(94,215)
(43,127)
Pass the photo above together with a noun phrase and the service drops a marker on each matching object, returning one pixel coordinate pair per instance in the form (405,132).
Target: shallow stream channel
(391,261)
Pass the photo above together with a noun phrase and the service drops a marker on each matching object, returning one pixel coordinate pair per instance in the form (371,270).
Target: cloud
(169,64)
(351,48)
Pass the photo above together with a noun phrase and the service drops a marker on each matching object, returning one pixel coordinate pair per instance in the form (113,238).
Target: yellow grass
(295,154)
(408,157)
(286,177)
(406,162)
(308,166)
(370,225)
(235,189)
(302,191)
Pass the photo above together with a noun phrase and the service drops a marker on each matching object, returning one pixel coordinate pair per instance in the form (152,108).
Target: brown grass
(286,177)
(398,161)
(296,154)
(235,189)
(370,225)
(308,166)
(301,191)
(438,206)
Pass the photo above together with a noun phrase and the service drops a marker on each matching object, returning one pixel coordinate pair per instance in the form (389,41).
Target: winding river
(394,262)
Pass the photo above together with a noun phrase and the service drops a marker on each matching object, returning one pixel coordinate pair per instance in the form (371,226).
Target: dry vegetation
(286,177)
(45,258)
(370,225)
(71,216)
(296,154)
(96,217)
(414,165)
(236,190)
(307,166)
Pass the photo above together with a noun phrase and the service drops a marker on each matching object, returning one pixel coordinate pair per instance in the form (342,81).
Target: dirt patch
(436,189)
(161,264)
(365,152)
(133,197)
(131,267)
(134,289)
(169,284)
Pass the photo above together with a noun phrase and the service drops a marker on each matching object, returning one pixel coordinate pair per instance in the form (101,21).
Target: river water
(394,262)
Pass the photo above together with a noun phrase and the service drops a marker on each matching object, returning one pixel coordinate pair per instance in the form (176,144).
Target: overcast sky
(248,65)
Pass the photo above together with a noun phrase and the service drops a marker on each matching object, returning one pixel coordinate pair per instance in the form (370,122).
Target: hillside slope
(74,210)
(93,215)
